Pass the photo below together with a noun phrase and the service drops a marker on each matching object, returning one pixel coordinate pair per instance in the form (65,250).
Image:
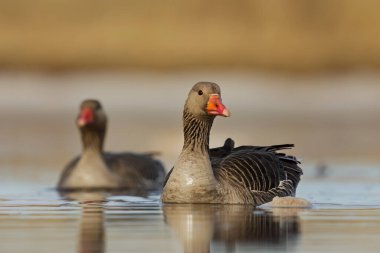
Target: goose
(227,175)
(95,169)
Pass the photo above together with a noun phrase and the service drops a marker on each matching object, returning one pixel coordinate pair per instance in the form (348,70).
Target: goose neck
(196,132)
(92,140)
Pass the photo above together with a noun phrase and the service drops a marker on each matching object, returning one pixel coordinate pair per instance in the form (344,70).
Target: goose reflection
(202,227)
(92,231)
(91,235)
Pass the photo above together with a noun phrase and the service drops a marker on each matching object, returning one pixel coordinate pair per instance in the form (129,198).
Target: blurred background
(299,71)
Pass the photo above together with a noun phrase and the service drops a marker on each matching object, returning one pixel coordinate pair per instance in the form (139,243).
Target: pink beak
(86,116)
(215,106)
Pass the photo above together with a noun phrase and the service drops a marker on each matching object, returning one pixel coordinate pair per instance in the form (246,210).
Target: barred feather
(258,170)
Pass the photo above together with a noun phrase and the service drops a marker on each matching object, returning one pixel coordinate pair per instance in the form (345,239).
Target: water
(345,216)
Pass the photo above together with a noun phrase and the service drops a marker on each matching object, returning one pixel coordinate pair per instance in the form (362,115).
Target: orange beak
(86,116)
(215,106)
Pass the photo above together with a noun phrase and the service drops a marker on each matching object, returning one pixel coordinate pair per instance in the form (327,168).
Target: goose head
(204,100)
(91,116)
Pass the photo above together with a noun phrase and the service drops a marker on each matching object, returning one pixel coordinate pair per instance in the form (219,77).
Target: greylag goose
(95,169)
(243,175)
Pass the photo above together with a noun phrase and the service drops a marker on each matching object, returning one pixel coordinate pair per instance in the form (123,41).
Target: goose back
(137,170)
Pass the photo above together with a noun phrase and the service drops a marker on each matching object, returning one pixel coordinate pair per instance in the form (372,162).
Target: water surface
(345,217)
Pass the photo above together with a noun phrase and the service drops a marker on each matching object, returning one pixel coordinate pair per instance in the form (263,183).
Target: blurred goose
(243,175)
(95,169)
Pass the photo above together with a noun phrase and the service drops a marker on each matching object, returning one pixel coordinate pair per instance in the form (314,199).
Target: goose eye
(200,92)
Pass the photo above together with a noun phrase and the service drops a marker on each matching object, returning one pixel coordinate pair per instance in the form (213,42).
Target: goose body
(95,169)
(242,175)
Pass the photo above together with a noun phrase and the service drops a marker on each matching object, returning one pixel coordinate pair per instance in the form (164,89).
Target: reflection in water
(92,232)
(91,236)
(200,227)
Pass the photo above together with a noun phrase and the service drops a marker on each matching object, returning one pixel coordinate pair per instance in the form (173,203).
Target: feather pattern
(258,173)
(244,175)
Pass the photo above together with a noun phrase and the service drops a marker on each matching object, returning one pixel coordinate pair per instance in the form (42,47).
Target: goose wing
(136,169)
(255,170)
(289,163)
(259,172)
(222,151)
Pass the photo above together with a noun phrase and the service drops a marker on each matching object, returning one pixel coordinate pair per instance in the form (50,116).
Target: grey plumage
(134,171)
(95,169)
(245,174)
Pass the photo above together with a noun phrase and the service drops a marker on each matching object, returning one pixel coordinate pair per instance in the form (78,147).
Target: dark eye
(200,92)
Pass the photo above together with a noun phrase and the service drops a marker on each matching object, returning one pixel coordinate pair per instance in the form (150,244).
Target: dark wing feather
(259,173)
(288,162)
(255,170)
(223,151)
(136,169)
